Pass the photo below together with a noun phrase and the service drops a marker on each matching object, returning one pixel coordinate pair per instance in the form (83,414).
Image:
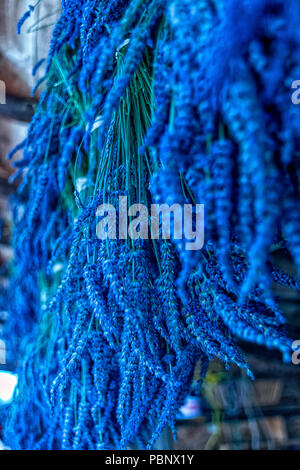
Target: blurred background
(232,412)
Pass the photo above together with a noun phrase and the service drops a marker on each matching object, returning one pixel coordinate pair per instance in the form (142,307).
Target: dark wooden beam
(7,188)
(19,109)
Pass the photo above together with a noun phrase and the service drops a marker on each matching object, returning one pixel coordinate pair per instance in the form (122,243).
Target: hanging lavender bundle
(176,101)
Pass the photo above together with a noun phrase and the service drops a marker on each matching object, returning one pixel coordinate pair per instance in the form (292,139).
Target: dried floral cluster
(162,101)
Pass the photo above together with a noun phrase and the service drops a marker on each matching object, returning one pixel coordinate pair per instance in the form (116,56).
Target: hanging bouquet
(155,101)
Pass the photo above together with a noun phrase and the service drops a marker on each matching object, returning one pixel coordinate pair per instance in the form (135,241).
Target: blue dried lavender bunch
(159,101)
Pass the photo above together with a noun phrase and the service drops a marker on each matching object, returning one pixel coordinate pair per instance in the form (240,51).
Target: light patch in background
(8,382)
